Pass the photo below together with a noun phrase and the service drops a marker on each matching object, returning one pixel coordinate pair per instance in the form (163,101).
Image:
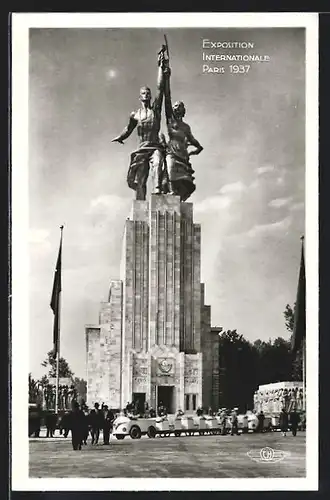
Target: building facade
(153,342)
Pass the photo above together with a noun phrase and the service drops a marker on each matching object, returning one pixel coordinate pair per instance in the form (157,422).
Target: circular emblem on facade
(165,365)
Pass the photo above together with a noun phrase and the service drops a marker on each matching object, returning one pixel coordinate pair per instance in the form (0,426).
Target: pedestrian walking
(51,421)
(261,420)
(86,424)
(223,422)
(65,422)
(48,424)
(234,422)
(96,422)
(294,421)
(284,421)
(108,418)
(77,422)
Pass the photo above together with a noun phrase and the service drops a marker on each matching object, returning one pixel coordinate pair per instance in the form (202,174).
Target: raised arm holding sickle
(181,180)
(150,153)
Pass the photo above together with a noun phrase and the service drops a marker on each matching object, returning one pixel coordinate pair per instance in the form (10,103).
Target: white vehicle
(252,422)
(163,426)
(213,425)
(274,422)
(178,427)
(184,425)
(243,423)
(134,427)
(271,422)
(189,425)
(201,425)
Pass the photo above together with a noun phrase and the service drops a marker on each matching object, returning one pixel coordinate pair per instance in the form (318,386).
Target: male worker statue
(150,153)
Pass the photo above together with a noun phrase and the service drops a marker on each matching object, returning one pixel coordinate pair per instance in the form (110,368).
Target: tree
(244,366)
(33,389)
(237,370)
(64,368)
(296,360)
(289,317)
(44,381)
(274,360)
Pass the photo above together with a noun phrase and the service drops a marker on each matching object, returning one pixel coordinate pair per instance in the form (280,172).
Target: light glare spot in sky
(111,74)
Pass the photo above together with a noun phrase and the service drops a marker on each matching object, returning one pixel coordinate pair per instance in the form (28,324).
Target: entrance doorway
(166,397)
(139,399)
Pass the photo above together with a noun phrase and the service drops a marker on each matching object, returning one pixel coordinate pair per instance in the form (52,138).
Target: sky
(250,177)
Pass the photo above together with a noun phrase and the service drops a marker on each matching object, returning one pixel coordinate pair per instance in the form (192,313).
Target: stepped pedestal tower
(153,342)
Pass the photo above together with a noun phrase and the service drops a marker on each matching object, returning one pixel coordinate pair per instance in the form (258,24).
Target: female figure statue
(179,170)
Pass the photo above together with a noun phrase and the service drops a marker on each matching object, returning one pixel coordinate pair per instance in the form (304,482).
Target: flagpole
(304,347)
(58,356)
(298,341)
(58,343)
(304,373)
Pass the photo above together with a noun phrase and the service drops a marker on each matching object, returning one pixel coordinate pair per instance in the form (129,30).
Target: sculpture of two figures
(168,162)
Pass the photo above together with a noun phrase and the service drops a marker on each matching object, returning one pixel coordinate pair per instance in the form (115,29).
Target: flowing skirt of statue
(179,172)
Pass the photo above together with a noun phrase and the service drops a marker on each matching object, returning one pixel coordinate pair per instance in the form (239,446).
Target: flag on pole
(55,300)
(299,328)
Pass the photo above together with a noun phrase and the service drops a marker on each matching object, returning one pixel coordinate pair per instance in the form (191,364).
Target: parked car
(134,427)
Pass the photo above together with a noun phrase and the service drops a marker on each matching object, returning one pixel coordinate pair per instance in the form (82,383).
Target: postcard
(164,226)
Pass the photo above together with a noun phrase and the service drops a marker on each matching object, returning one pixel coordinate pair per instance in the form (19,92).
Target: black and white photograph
(164,226)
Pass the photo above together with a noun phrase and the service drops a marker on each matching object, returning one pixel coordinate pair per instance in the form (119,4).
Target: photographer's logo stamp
(267,455)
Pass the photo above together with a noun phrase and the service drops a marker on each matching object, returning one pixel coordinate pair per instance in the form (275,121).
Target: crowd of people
(134,408)
(84,422)
(287,420)
(224,414)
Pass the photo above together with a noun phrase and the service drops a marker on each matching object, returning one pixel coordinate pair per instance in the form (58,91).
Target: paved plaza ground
(176,457)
